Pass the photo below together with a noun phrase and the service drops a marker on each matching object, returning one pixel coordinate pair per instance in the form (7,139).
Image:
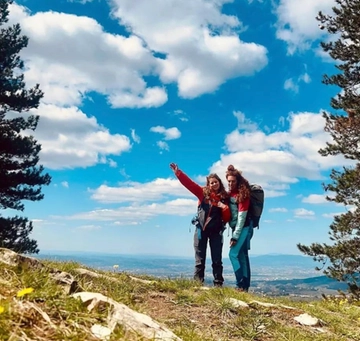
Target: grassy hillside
(34,307)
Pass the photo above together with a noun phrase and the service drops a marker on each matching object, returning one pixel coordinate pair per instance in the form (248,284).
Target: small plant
(184,298)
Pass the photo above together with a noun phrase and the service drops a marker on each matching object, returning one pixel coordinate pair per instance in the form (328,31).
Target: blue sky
(131,86)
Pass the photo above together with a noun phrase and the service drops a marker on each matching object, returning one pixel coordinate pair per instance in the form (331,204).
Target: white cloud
(122,171)
(72,55)
(136,214)
(135,137)
(181,114)
(201,45)
(305,77)
(291,85)
(282,121)
(152,97)
(278,209)
(112,163)
(89,227)
(346,209)
(169,133)
(296,23)
(294,86)
(65,184)
(243,122)
(40,223)
(303,213)
(163,145)
(315,199)
(71,139)
(81,1)
(277,160)
(129,191)
(331,215)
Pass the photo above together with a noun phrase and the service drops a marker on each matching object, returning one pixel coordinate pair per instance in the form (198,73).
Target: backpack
(256,204)
(255,208)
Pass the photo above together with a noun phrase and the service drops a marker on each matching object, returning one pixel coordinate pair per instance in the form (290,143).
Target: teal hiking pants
(239,258)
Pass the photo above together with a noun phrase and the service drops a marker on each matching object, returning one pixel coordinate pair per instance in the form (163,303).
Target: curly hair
(222,191)
(243,185)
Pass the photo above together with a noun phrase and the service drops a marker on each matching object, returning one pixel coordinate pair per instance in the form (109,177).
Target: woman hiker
(239,191)
(213,214)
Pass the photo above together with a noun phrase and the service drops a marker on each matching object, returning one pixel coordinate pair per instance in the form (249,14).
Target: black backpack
(256,204)
(255,208)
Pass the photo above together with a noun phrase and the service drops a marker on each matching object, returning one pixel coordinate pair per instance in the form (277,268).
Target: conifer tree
(20,176)
(341,257)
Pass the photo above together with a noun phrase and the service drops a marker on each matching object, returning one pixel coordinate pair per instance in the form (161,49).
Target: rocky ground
(43,300)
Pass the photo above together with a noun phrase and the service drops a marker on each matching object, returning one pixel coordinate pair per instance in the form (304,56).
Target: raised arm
(192,186)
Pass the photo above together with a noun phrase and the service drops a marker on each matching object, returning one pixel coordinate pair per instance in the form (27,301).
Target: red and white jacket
(243,208)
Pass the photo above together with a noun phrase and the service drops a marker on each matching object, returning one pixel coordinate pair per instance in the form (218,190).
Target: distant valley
(305,287)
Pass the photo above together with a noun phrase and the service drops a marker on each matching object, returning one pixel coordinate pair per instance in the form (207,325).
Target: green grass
(180,305)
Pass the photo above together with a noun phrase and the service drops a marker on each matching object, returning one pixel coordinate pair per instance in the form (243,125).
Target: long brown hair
(243,185)
(222,191)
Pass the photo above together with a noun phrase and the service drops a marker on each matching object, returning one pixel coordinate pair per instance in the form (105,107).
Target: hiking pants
(239,258)
(201,239)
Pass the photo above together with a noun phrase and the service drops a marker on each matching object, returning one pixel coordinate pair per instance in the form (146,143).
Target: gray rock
(101,332)
(237,303)
(130,319)
(65,279)
(12,258)
(91,274)
(307,320)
